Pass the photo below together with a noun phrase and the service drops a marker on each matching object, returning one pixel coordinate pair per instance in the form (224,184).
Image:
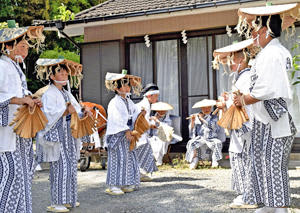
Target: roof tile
(123,7)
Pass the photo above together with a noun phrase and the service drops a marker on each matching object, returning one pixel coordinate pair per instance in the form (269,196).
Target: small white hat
(204,103)
(114,76)
(161,106)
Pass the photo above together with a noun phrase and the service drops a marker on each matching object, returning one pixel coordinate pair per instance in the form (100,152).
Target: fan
(28,121)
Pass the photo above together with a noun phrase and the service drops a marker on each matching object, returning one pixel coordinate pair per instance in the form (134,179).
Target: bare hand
(38,102)
(237,100)
(220,104)
(71,109)
(225,96)
(129,135)
(87,111)
(28,100)
(153,126)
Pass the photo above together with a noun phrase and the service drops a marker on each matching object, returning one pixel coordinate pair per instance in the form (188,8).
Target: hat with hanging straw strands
(225,55)
(33,35)
(44,69)
(204,103)
(248,17)
(161,106)
(112,80)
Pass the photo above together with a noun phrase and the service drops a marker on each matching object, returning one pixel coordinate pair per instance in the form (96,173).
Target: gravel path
(202,190)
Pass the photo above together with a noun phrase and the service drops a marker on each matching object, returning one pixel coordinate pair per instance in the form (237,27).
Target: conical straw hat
(289,14)
(204,103)
(161,106)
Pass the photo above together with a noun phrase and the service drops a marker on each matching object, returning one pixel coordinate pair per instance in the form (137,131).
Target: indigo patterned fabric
(4,113)
(122,164)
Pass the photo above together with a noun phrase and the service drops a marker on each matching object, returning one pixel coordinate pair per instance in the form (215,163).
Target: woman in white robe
(273,129)
(144,150)
(240,138)
(55,144)
(123,173)
(16,154)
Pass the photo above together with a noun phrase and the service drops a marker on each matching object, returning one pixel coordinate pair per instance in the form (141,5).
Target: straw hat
(225,55)
(111,81)
(289,14)
(161,106)
(204,103)
(44,69)
(32,34)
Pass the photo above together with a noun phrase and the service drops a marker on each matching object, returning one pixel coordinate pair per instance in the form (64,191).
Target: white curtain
(224,79)
(167,73)
(141,62)
(197,66)
(197,71)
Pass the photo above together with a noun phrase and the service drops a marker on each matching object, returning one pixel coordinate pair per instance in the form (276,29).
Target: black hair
(150,87)
(122,82)
(62,66)
(12,43)
(275,24)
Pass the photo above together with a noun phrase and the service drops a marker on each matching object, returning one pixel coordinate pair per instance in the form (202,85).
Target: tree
(296,66)
(25,11)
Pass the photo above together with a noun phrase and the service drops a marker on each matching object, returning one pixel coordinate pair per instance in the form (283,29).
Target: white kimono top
(121,114)
(242,83)
(144,104)
(12,84)
(270,81)
(54,106)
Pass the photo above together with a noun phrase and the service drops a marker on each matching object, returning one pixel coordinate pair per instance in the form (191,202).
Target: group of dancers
(259,150)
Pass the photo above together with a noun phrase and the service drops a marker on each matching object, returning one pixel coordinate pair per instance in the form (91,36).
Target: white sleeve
(272,79)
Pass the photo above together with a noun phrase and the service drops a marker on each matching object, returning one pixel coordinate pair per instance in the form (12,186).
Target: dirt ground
(171,190)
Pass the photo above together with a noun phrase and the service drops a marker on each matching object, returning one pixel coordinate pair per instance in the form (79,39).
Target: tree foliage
(59,52)
(296,66)
(64,14)
(25,11)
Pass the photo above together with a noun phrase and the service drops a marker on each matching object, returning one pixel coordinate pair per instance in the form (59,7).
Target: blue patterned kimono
(206,140)
(122,166)
(240,138)
(144,150)
(63,169)
(273,129)
(16,154)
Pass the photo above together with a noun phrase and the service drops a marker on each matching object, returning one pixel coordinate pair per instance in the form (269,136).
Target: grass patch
(179,163)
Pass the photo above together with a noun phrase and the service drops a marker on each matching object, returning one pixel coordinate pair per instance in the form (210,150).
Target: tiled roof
(114,9)
(144,7)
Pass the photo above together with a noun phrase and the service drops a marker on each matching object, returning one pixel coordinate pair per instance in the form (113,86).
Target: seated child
(159,144)
(206,136)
